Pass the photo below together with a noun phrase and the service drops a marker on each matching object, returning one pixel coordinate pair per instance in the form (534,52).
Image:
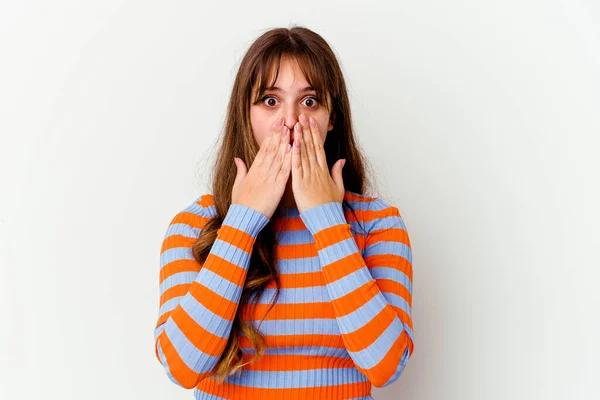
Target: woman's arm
(198,303)
(371,293)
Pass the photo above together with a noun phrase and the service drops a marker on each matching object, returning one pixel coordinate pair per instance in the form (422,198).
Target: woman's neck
(287,200)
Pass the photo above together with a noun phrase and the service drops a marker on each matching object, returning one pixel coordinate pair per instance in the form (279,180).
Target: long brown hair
(321,69)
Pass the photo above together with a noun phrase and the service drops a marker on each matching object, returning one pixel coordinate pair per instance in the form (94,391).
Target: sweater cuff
(245,219)
(323,216)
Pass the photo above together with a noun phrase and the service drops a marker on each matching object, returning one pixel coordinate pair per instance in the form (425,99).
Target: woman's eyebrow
(278,89)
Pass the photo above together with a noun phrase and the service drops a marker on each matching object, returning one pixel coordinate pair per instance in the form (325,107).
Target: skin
(289,104)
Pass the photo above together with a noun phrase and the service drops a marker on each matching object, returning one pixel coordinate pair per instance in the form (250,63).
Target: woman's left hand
(312,184)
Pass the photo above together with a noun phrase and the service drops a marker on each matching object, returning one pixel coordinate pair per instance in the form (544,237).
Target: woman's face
(289,102)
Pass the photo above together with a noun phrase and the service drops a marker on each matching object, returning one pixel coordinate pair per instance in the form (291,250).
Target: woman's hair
(260,63)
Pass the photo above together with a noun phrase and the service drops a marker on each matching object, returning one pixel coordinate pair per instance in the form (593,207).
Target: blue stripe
(397,301)
(298,327)
(168,305)
(181,278)
(230,253)
(337,251)
(361,316)
(175,254)
(245,219)
(221,286)
(399,369)
(410,333)
(163,360)
(349,283)
(379,348)
(383,247)
(182,229)
(194,359)
(205,318)
(340,352)
(310,294)
(299,265)
(384,272)
(390,221)
(291,237)
(200,395)
(195,208)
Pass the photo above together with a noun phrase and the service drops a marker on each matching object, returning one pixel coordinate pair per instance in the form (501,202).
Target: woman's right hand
(263,186)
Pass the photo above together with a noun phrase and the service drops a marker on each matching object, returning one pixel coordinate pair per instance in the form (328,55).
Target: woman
(287,281)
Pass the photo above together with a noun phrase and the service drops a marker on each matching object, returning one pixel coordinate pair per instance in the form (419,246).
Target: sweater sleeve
(198,303)
(371,294)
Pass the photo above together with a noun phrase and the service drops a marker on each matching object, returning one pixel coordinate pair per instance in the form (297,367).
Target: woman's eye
(313,100)
(268,97)
(312,103)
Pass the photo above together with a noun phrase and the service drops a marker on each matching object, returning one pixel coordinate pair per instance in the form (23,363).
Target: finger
(297,172)
(308,141)
(284,171)
(260,155)
(274,144)
(284,146)
(258,160)
(319,148)
(302,148)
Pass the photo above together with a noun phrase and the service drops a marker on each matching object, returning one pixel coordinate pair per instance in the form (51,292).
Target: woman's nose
(290,122)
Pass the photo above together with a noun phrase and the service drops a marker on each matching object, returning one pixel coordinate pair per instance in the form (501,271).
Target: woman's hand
(312,184)
(262,187)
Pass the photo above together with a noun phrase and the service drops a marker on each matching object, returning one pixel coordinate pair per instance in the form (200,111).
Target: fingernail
(311,121)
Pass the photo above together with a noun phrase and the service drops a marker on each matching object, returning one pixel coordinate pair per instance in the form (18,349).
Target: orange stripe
(372,215)
(174,267)
(390,286)
(403,315)
(201,338)
(206,200)
(289,252)
(381,372)
(394,234)
(189,218)
(177,367)
(350,302)
(298,280)
(225,269)
(365,336)
(343,267)
(176,240)
(298,311)
(236,237)
(296,362)
(173,292)
(390,261)
(333,341)
(218,305)
(332,235)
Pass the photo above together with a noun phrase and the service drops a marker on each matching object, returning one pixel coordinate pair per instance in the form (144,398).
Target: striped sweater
(341,324)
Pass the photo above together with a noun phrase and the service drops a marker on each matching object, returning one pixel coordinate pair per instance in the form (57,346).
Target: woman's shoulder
(373,209)
(197,212)
(368,203)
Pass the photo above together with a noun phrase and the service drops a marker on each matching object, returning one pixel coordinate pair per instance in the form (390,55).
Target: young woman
(287,282)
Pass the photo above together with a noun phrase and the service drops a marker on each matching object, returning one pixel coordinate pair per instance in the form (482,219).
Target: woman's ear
(331,122)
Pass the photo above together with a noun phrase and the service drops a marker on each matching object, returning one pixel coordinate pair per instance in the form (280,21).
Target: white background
(480,118)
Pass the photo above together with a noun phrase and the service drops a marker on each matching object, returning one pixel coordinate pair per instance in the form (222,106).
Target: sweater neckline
(289,212)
